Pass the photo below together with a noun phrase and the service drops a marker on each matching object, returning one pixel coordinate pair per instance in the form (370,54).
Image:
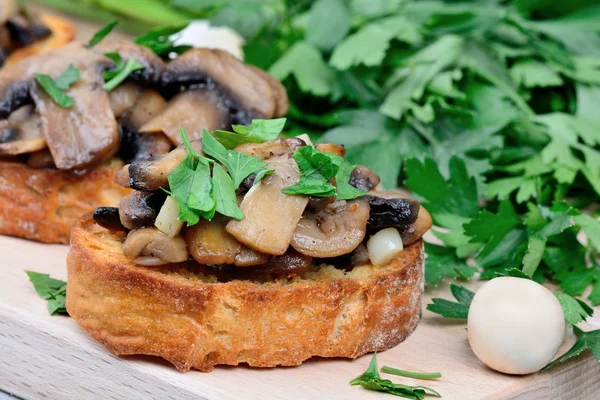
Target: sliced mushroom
(289,264)
(41,159)
(194,110)
(270,216)
(22,132)
(153,243)
(123,97)
(389,210)
(417,229)
(153,174)
(271,148)
(139,209)
(108,217)
(154,66)
(332,232)
(148,105)
(248,94)
(78,136)
(278,91)
(135,146)
(249,258)
(337,149)
(363,178)
(209,243)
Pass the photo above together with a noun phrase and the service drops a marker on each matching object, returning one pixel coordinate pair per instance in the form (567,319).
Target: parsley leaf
(316,169)
(159,40)
(101,34)
(225,193)
(51,289)
(411,374)
(306,64)
(450,309)
(345,191)
(55,87)
(238,165)
(585,340)
(575,310)
(259,131)
(442,263)
(371,380)
(121,72)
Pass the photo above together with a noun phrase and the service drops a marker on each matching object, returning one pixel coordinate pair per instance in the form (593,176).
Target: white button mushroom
(515,325)
(384,246)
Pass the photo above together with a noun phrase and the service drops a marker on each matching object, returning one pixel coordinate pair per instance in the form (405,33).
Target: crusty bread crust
(193,321)
(43,204)
(63,32)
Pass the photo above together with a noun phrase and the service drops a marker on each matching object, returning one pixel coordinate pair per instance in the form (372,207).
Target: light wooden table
(49,357)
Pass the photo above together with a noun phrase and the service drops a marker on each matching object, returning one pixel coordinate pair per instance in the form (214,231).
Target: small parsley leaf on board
(451,309)
(101,34)
(51,289)
(411,374)
(371,380)
(585,340)
(121,73)
(259,131)
(55,88)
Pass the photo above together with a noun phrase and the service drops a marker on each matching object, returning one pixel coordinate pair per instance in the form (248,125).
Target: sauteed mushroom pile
(280,235)
(16,30)
(137,120)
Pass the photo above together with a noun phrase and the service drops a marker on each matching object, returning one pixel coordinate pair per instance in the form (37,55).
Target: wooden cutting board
(49,357)
(43,356)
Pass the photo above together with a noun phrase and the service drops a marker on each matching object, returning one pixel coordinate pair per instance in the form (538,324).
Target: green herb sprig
(317,168)
(159,40)
(56,88)
(101,34)
(51,289)
(203,187)
(371,380)
(117,75)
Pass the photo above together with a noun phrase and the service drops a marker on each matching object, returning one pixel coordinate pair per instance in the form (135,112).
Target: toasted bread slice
(63,32)
(43,204)
(194,321)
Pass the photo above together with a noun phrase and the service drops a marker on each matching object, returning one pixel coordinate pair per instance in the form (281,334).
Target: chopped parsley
(55,88)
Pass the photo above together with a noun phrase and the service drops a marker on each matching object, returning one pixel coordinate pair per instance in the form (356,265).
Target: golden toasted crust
(194,321)
(42,204)
(63,32)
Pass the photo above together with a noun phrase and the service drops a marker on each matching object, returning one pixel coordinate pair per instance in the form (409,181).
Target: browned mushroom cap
(209,243)
(418,228)
(22,132)
(249,258)
(332,148)
(363,178)
(194,110)
(249,95)
(78,136)
(278,91)
(149,175)
(154,66)
(41,159)
(335,231)
(270,216)
(139,209)
(153,243)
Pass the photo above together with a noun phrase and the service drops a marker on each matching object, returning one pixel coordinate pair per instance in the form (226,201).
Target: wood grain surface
(49,357)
